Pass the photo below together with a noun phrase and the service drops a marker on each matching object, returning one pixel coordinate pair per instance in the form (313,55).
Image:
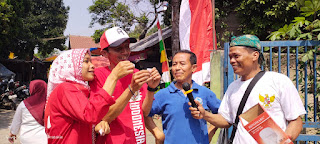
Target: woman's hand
(102,128)
(11,138)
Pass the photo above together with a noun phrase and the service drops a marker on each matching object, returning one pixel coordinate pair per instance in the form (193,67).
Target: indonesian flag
(163,58)
(196,34)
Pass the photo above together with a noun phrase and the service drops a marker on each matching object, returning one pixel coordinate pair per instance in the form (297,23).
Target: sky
(79,17)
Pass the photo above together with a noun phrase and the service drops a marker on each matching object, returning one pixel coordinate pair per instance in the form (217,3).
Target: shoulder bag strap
(243,102)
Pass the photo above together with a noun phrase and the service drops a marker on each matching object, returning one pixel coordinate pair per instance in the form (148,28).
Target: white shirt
(31,132)
(274,91)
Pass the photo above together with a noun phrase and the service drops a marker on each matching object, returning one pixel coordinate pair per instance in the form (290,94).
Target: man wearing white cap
(133,93)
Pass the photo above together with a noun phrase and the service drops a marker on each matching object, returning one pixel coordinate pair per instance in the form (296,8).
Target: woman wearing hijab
(71,110)
(29,115)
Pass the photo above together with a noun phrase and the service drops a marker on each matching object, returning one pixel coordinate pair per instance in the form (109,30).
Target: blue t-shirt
(178,124)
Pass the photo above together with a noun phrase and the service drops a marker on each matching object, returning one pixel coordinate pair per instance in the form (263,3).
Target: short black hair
(193,57)
(261,60)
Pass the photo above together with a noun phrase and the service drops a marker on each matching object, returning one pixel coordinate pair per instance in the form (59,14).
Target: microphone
(186,88)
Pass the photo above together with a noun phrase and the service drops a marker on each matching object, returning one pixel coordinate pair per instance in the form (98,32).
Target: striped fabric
(163,58)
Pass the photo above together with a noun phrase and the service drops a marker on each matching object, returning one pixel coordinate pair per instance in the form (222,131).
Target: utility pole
(175,26)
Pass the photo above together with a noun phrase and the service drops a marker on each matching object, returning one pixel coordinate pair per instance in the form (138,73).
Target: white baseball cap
(114,37)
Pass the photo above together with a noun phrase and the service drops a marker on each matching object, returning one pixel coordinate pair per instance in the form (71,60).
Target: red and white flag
(196,34)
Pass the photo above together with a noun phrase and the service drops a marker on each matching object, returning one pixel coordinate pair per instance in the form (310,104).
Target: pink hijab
(37,100)
(67,67)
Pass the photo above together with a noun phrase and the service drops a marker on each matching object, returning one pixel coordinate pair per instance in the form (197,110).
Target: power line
(47,39)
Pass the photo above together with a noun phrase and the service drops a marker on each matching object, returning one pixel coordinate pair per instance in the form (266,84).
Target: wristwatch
(152,89)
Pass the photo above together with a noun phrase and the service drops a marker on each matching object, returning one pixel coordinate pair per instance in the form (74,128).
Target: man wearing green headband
(274,91)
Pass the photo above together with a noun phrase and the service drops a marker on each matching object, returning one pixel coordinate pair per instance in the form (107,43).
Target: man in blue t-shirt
(172,104)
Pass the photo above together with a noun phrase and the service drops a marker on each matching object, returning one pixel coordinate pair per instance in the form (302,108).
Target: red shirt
(70,113)
(128,127)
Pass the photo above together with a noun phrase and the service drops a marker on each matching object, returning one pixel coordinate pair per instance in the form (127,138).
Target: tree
(6,12)
(261,17)
(175,26)
(32,25)
(305,27)
(258,17)
(52,16)
(111,13)
(11,23)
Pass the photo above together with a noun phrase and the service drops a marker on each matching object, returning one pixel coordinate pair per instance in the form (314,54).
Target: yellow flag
(11,55)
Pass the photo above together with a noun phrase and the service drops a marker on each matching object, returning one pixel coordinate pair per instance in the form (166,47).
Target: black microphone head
(186,86)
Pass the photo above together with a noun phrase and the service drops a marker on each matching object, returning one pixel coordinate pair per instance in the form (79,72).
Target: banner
(196,34)
(163,58)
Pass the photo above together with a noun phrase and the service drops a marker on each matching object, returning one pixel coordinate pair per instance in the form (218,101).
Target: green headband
(250,41)
(246,40)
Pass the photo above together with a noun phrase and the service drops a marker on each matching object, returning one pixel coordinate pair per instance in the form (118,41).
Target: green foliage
(155,29)
(258,17)
(222,11)
(167,16)
(137,31)
(261,17)
(45,55)
(51,17)
(305,27)
(97,34)
(307,56)
(113,13)
(310,8)
(281,33)
(30,22)
(11,23)
(306,61)
(6,13)
(110,13)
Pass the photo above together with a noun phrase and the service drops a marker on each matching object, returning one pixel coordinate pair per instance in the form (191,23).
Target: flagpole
(166,78)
